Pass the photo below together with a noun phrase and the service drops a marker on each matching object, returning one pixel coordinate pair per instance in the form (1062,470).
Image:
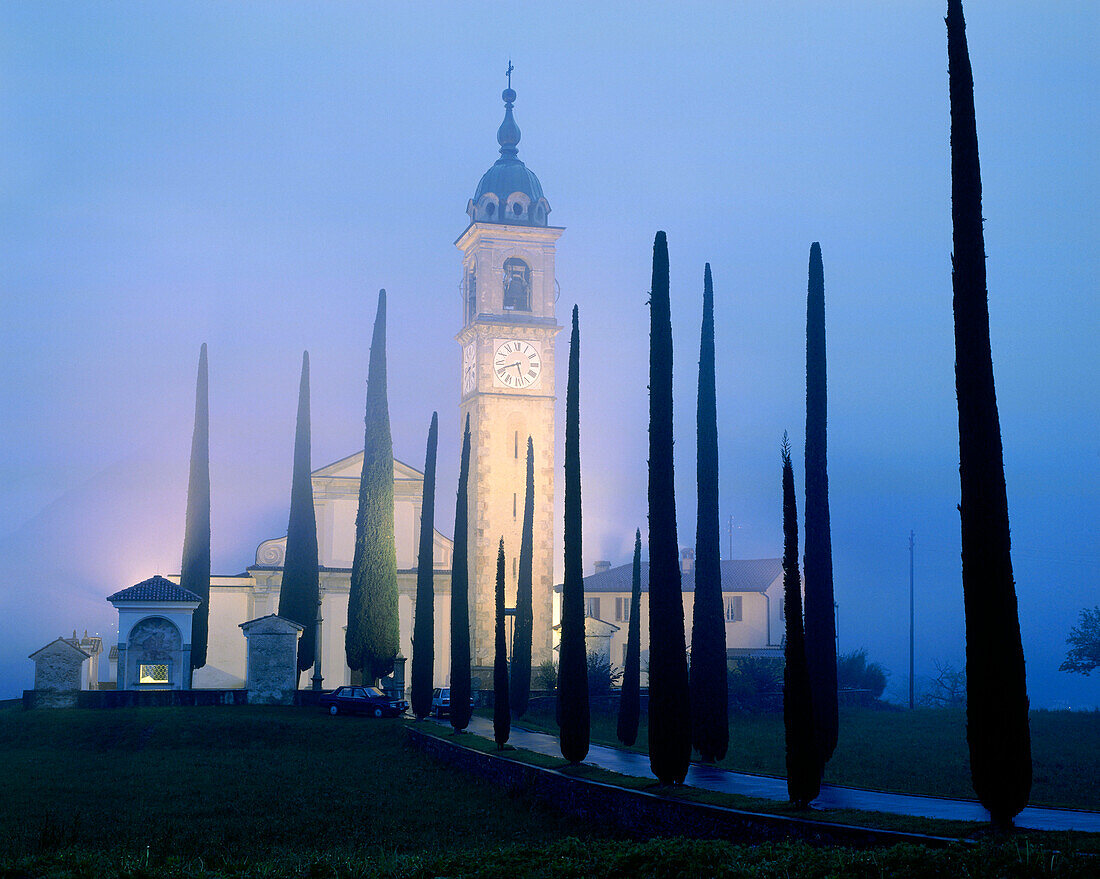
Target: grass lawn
(205,792)
(921,752)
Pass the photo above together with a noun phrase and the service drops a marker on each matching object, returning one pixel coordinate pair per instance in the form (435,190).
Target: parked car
(363,700)
(441,701)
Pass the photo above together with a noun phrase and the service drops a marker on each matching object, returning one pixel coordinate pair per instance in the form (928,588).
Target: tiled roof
(156,588)
(738,575)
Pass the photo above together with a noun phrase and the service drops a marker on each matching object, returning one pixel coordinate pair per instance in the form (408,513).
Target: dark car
(363,700)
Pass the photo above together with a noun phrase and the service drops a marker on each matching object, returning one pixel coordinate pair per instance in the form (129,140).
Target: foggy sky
(248,175)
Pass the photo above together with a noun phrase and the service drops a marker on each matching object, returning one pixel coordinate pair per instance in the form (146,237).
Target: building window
(592,608)
(153,674)
(622,610)
(623,663)
(515,446)
(733,609)
(513,505)
(517,285)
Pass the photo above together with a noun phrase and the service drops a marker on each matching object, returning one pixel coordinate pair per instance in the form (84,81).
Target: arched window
(471,296)
(517,285)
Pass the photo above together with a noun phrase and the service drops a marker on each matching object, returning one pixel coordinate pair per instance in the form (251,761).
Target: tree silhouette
(300,587)
(818,560)
(669,702)
(630,698)
(460,596)
(373,638)
(709,699)
(803,765)
(573,709)
(195,568)
(1084,644)
(521,637)
(997,704)
(502,715)
(423,658)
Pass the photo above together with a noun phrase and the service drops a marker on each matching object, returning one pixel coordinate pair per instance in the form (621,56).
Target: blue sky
(250,174)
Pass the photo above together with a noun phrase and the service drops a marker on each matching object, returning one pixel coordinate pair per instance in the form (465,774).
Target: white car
(441,701)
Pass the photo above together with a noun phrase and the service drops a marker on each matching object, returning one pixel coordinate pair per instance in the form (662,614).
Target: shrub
(854,672)
(754,680)
(545,677)
(602,675)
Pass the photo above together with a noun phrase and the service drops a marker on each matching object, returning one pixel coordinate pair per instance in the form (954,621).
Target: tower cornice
(512,233)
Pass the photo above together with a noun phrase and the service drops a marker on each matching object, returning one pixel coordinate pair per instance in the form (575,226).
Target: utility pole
(912,703)
(836,624)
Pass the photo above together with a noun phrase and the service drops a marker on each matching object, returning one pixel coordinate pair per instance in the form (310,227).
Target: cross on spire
(509,72)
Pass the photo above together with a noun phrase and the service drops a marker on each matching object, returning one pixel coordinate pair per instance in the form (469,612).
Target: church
(506,334)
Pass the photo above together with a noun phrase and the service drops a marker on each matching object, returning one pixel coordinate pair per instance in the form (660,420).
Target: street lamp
(317,679)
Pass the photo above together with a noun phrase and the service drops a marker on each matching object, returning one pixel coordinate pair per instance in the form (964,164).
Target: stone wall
(132,698)
(58,669)
(272,660)
(645,814)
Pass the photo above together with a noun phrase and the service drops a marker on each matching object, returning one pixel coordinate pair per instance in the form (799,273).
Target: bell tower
(507,351)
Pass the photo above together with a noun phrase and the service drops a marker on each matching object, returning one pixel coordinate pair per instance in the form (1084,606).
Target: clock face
(517,364)
(469,368)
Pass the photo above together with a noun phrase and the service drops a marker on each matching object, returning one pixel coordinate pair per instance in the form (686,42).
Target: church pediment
(351,467)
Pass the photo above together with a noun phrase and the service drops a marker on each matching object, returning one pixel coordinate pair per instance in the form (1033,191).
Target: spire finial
(508,133)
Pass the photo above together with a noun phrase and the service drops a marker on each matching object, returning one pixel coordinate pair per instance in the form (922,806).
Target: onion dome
(509,192)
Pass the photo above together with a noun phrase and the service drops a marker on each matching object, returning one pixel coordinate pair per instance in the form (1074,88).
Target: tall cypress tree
(521,638)
(818,560)
(460,596)
(300,587)
(373,638)
(709,697)
(803,766)
(573,713)
(195,568)
(502,715)
(423,658)
(629,700)
(997,704)
(669,702)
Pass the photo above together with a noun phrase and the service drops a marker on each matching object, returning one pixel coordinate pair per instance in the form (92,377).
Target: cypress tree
(709,697)
(818,560)
(502,715)
(423,658)
(669,702)
(627,730)
(573,715)
(803,767)
(521,638)
(996,708)
(195,567)
(460,596)
(373,638)
(300,587)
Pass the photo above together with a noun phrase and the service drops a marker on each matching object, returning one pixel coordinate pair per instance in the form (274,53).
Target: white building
(752,595)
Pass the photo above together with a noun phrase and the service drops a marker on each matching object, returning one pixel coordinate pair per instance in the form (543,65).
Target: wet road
(771,788)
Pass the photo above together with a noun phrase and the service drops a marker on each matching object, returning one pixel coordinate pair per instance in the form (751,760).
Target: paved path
(771,788)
